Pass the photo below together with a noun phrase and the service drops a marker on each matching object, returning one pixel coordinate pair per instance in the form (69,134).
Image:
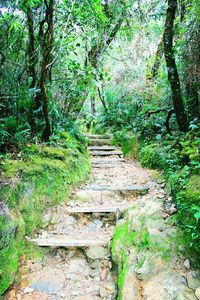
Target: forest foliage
(128,67)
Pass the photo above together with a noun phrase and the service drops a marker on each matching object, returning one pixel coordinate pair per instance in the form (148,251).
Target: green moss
(192,191)
(152,156)
(40,180)
(121,242)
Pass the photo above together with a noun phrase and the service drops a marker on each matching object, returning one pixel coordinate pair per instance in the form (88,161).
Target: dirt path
(79,265)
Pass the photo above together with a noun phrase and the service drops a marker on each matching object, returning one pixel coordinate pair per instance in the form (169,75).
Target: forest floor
(156,265)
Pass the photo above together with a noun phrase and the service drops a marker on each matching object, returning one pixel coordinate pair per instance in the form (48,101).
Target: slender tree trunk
(173,76)
(93,106)
(101,97)
(47,48)
(31,64)
(157,61)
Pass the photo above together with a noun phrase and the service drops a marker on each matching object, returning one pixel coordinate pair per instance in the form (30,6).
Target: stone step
(102,148)
(98,136)
(96,209)
(107,166)
(68,243)
(131,188)
(99,142)
(107,161)
(105,153)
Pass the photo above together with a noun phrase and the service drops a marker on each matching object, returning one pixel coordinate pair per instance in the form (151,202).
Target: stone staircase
(103,155)
(78,265)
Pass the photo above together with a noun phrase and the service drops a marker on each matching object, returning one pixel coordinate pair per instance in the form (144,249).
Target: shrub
(153,157)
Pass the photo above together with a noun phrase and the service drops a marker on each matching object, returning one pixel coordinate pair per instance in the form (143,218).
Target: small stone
(28,290)
(197,293)
(94,273)
(69,220)
(161,196)
(172,210)
(107,290)
(104,274)
(46,219)
(165,215)
(77,266)
(96,252)
(187,264)
(55,219)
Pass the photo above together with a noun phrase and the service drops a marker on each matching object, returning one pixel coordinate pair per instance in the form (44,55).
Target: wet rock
(96,252)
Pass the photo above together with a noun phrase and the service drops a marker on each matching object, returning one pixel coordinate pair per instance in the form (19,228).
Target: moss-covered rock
(40,178)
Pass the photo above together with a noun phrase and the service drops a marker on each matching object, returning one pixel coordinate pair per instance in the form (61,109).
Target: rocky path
(78,265)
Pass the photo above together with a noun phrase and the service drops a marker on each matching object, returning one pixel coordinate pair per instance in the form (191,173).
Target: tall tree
(47,45)
(173,75)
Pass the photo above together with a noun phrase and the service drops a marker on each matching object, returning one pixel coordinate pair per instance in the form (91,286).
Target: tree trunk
(193,104)
(32,65)
(47,48)
(173,76)
(93,106)
(157,61)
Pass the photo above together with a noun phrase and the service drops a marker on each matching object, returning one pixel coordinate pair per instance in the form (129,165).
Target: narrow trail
(79,264)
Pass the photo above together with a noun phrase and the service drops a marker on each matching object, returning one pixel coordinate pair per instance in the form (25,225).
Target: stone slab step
(107,161)
(100,142)
(105,153)
(98,136)
(96,209)
(68,243)
(103,148)
(107,166)
(131,188)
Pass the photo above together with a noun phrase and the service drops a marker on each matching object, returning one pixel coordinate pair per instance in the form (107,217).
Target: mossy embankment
(179,165)
(38,177)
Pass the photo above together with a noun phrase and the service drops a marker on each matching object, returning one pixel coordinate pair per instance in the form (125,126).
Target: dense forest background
(127,67)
